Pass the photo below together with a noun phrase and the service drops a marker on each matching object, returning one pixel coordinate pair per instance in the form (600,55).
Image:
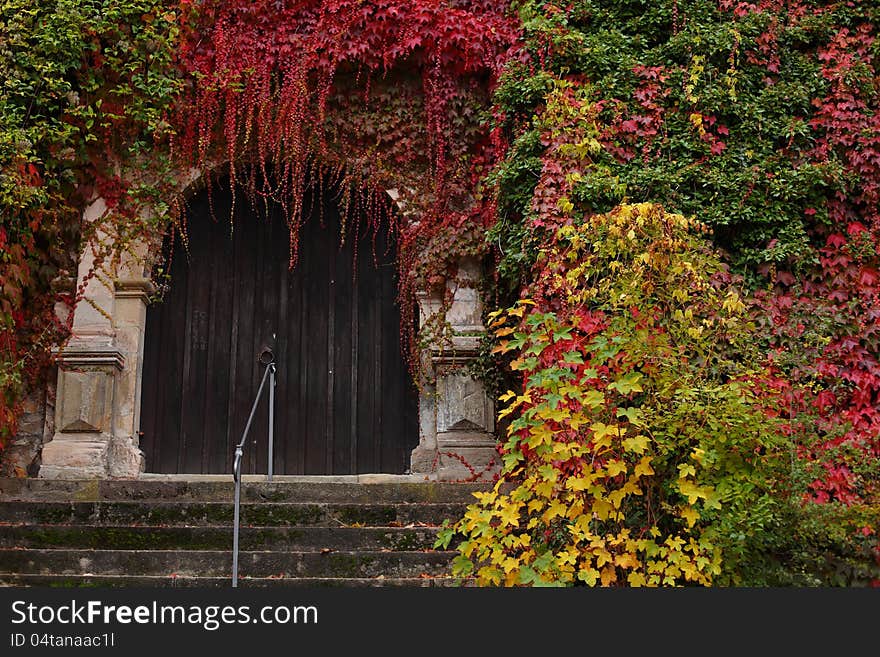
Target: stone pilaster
(133,290)
(457,416)
(96,398)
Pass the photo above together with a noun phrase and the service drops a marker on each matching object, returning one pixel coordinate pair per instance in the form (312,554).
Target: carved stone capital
(75,357)
(135,288)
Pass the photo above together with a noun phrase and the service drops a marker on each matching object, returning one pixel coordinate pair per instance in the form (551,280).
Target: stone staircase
(178,532)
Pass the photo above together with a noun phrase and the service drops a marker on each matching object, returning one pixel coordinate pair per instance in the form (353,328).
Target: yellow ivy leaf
(486,497)
(690,490)
(578,484)
(602,509)
(556,508)
(510,564)
(602,555)
(608,575)
(525,398)
(557,415)
(616,497)
(626,560)
(509,515)
(636,579)
(615,467)
(593,398)
(589,576)
(603,433)
(582,524)
(636,444)
(489,574)
(544,489)
(542,434)
(575,510)
(644,467)
(690,514)
(576,420)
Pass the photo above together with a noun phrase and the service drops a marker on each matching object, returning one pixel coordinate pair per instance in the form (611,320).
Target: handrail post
(235,519)
(271,419)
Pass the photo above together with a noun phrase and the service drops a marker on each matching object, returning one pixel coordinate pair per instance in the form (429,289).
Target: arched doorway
(345,403)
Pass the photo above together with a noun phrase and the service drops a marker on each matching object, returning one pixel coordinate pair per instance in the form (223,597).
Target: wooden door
(345,402)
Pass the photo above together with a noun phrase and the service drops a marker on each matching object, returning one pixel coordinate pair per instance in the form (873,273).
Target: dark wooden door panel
(344,399)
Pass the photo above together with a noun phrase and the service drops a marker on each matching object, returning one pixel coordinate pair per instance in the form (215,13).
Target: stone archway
(97,423)
(344,399)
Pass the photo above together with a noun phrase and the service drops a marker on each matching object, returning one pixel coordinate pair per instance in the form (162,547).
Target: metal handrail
(267,358)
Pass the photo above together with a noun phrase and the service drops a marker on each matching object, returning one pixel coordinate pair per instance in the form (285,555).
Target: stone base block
(467,456)
(75,459)
(84,457)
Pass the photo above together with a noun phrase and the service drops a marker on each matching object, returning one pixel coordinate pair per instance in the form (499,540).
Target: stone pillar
(95,410)
(457,416)
(133,288)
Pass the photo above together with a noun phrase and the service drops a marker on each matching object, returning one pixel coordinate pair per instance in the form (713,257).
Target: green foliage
(86,86)
(639,450)
(704,108)
(636,435)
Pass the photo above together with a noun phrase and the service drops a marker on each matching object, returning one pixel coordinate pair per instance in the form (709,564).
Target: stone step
(211,488)
(156,581)
(218,563)
(216,538)
(266,514)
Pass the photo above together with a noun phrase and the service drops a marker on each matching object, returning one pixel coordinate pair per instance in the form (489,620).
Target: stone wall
(22,457)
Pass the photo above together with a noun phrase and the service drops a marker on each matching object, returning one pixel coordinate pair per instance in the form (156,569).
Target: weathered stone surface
(467,456)
(129,320)
(21,458)
(75,458)
(463,404)
(92,318)
(357,489)
(454,402)
(154,533)
(124,459)
(184,581)
(202,514)
(215,563)
(466,310)
(85,402)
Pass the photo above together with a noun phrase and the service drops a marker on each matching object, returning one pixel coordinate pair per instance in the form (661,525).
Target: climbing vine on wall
(119,100)
(542,133)
(758,119)
(85,89)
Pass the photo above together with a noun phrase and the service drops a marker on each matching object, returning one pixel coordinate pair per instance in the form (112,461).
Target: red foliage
(265,73)
(369,95)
